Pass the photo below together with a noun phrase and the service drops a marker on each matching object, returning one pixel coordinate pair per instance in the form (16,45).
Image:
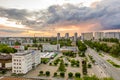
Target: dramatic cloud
(101,15)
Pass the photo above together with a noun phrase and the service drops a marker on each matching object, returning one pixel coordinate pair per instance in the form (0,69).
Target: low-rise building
(68,48)
(23,62)
(5,61)
(51,48)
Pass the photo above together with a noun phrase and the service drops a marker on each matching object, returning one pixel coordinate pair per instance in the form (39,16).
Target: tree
(89,65)
(41,72)
(77,74)
(47,73)
(70,74)
(55,74)
(17,43)
(62,66)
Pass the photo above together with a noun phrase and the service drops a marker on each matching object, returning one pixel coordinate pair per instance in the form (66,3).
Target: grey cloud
(106,13)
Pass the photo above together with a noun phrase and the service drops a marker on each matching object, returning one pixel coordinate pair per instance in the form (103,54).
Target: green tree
(62,66)
(70,74)
(47,73)
(62,74)
(17,43)
(77,74)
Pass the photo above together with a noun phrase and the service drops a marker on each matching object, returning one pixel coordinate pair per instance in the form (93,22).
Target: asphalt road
(108,68)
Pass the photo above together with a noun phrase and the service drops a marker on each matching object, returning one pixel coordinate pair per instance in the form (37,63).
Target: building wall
(51,47)
(8,65)
(87,36)
(24,63)
(99,35)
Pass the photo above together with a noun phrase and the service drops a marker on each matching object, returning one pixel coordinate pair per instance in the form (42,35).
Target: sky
(49,17)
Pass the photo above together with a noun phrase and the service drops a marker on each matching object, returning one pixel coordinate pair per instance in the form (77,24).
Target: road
(107,68)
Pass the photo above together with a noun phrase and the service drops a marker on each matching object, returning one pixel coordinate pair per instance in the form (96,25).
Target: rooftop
(4,57)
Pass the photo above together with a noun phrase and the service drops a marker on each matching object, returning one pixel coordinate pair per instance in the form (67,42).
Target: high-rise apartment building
(87,36)
(98,35)
(66,35)
(75,36)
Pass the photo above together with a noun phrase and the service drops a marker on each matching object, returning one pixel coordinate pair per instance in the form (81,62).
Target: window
(14,59)
(14,63)
(14,70)
(19,67)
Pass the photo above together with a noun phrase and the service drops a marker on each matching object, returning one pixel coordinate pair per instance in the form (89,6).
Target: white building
(98,35)
(49,47)
(87,36)
(112,35)
(47,54)
(24,61)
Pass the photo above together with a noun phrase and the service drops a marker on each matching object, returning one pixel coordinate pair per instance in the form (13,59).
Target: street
(107,69)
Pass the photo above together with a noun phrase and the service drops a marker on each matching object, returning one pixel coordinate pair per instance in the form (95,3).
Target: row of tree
(115,40)
(113,50)
(62,42)
(81,46)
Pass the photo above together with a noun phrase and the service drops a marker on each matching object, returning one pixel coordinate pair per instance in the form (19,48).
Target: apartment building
(112,35)
(23,62)
(98,35)
(87,36)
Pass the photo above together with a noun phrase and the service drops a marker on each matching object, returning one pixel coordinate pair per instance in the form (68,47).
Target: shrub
(70,74)
(62,74)
(66,64)
(77,75)
(89,65)
(41,72)
(47,73)
(50,64)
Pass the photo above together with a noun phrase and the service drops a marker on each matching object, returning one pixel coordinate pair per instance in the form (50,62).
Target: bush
(62,66)
(66,64)
(47,73)
(70,75)
(62,74)
(89,65)
(77,75)
(55,74)
(50,64)
(41,72)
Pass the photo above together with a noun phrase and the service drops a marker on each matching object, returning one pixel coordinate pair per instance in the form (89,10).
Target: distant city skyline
(49,17)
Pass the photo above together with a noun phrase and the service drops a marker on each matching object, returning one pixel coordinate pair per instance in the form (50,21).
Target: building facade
(25,61)
(87,36)
(98,35)
(66,35)
(5,61)
(49,47)
(112,35)
(75,36)
(58,36)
